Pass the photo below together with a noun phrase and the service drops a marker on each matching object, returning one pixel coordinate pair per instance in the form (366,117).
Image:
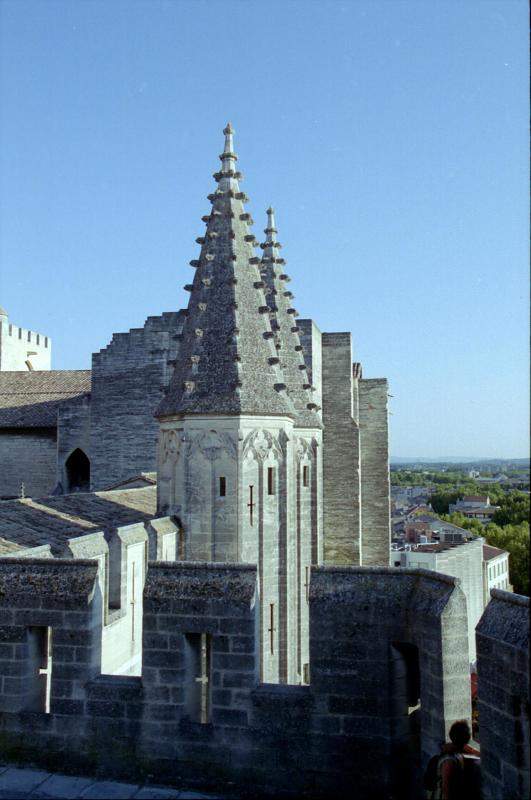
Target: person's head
(460,734)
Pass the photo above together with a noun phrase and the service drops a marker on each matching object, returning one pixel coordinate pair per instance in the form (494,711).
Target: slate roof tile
(31,399)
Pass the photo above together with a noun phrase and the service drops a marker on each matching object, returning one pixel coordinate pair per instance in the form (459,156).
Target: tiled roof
(53,520)
(490,552)
(142,479)
(31,399)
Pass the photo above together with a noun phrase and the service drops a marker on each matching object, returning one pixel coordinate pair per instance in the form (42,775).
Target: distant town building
(418,529)
(447,533)
(475,507)
(495,570)
(499,478)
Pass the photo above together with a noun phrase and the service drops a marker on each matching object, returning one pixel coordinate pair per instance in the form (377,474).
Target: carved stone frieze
(260,443)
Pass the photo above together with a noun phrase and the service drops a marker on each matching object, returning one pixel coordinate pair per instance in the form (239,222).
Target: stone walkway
(23,784)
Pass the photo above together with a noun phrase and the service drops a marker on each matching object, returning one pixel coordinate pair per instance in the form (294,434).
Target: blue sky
(391,137)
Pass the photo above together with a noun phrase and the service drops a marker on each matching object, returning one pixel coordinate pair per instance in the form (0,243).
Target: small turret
(287,340)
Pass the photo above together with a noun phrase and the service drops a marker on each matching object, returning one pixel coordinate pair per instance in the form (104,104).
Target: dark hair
(460,734)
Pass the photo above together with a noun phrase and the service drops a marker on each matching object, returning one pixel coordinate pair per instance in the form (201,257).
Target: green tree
(514,539)
(514,509)
(442,498)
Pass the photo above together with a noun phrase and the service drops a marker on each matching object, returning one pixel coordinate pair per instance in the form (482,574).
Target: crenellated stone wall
(502,638)
(387,679)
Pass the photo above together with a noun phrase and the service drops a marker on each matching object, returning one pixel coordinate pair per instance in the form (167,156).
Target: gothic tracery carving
(260,443)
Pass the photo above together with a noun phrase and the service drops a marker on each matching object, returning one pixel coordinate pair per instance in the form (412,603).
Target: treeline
(406,477)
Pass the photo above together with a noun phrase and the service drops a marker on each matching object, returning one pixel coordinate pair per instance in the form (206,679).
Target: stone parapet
(502,637)
(381,642)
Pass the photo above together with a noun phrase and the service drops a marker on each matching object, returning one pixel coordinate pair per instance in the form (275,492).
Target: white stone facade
(249,489)
(495,571)
(22,349)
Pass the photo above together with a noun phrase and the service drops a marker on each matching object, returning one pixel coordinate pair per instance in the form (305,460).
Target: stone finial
(229,133)
(271,225)
(228,156)
(271,230)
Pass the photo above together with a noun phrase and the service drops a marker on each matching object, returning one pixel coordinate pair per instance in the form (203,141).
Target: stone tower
(240,438)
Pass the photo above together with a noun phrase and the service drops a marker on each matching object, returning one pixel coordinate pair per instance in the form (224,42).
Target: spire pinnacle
(227,341)
(229,141)
(271,230)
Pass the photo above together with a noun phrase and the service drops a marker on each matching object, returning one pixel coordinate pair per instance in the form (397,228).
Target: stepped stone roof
(228,361)
(284,325)
(53,520)
(31,399)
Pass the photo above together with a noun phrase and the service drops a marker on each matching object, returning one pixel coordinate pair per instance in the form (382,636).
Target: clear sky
(391,137)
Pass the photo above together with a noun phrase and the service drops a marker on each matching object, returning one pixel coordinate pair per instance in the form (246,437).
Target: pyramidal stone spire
(284,325)
(228,362)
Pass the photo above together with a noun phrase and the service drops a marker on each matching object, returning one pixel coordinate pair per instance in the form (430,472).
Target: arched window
(77,472)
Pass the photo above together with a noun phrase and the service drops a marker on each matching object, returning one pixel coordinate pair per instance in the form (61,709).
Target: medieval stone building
(97,429)
(235,624)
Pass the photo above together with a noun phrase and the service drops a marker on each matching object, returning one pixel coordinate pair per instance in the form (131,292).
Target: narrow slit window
(271,480)
(250,505)
(198,666)
(271,630)
(222,487)
(133,600)
(40,655)
(305,476)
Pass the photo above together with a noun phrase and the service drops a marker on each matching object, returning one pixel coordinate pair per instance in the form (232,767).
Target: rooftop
(54,520)
(490,552)
(31,399)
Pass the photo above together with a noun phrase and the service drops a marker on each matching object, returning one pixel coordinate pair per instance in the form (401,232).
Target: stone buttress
(229,440)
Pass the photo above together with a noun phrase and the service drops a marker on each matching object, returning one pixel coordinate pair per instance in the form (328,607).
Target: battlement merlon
(22,349)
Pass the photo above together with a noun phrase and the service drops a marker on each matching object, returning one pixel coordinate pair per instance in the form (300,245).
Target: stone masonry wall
(370,629)
(21,449)
(502,637)
(374,458)
(128,380)
(341,473)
